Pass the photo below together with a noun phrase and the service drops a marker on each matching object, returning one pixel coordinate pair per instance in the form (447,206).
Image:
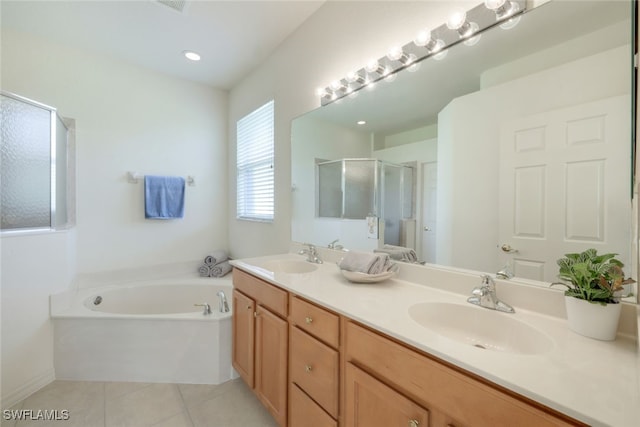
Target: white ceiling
(233,37)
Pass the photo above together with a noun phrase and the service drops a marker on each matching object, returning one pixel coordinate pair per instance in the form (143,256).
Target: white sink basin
(480,327)
(289,266)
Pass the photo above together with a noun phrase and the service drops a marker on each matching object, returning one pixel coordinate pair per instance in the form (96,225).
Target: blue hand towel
(163,197)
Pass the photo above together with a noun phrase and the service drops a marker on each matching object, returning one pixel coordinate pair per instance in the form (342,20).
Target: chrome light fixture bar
(461,27)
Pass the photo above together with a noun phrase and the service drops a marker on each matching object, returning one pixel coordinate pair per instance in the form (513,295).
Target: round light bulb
(352,76)
(395,53)
(422,38)
(457,19)
(335,85)
(372,66)
(494,4)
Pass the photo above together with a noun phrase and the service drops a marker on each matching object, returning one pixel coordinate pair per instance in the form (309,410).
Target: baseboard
(28,388)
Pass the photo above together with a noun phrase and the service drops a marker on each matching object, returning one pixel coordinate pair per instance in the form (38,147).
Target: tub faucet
(311,253)
(485,296)
(222,304)
(206,308)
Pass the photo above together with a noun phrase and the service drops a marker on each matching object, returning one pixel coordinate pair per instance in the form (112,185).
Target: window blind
(254,165)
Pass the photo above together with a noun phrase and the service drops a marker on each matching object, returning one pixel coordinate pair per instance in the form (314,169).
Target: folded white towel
(408,254)
(369,263)
(216,257)
(220,269)
(204,271)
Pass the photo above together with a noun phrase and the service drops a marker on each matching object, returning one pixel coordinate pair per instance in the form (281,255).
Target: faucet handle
(479,291)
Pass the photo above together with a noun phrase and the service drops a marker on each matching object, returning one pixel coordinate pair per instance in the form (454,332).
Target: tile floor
(116,404)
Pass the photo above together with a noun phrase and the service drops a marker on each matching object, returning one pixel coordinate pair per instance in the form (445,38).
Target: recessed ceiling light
(191,55)
(361,122)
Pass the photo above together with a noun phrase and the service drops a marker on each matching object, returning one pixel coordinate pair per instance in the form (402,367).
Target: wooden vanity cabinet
(453,397)
(260,340)
(314,364)
(313,368)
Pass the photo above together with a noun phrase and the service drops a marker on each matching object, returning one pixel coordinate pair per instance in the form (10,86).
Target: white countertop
(596,382)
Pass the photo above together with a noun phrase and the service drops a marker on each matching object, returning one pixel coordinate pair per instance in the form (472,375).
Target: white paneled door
(565,185)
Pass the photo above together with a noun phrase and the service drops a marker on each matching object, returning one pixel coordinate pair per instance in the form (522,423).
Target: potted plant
(594,284)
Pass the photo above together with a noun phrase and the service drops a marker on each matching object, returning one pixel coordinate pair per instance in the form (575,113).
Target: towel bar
(134,178)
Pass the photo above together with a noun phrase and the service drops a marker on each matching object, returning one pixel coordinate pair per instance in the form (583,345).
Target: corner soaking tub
(149,332)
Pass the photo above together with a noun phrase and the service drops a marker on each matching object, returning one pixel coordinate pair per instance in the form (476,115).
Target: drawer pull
(414,423)
(308,320)
(308,368)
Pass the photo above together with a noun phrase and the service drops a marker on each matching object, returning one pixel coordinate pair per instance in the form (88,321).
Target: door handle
(508,249)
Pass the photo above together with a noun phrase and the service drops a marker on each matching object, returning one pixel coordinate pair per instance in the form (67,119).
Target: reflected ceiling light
(193,56)
(461,27)
(361,122)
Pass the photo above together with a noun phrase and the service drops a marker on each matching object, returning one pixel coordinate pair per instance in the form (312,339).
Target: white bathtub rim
(70,304)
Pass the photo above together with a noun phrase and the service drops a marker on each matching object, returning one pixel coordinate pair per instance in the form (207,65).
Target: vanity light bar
(466,30)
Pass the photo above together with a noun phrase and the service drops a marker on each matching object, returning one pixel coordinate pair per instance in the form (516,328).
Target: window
(254,165)
(34,165)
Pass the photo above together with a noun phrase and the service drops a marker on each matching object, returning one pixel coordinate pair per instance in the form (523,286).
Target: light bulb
(372,66)
(494,4)
(395,53)
(335,85)
(422,38)
(321,92)
(457,19)
(352,76)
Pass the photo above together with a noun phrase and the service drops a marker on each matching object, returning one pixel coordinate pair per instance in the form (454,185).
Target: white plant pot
(593,320)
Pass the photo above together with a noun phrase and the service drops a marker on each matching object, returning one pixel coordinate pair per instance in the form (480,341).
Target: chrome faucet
(333,245)
(206,308)
(222,303)
(485,296)
(505,273)
(311,253)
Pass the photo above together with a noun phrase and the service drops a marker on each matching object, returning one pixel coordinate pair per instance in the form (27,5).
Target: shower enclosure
(361,188)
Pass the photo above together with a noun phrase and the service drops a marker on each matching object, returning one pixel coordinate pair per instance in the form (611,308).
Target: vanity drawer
(317,321)
(264,293)
(304,412)
(438,386)
(314,367)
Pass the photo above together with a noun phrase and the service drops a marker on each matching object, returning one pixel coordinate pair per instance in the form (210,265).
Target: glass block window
(254,165)
(26,165)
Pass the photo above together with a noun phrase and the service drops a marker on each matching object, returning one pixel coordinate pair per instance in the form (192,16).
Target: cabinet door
(370,403)
(271,363)
(243,337)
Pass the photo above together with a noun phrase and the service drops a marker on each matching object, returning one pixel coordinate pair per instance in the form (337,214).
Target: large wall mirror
(519,147)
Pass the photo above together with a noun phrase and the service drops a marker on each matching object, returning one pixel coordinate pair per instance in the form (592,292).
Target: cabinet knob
(414,423)
(255,314)
(308,320)
(308,368)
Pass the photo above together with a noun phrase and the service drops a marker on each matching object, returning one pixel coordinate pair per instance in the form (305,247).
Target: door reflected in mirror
(521,146)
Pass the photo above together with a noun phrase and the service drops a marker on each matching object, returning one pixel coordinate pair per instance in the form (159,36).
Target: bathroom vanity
(321,351)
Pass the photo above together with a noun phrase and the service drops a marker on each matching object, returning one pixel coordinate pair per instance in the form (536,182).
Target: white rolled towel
(216,257)
(369,263)
(221,269)
(204,271)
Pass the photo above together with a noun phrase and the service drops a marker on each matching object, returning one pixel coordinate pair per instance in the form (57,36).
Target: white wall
(33,267)
(127,118)
(338,38)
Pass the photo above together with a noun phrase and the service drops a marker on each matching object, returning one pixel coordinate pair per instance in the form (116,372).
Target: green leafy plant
(592,277)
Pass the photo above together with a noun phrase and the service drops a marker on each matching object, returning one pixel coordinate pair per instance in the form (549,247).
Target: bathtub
(145,332)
